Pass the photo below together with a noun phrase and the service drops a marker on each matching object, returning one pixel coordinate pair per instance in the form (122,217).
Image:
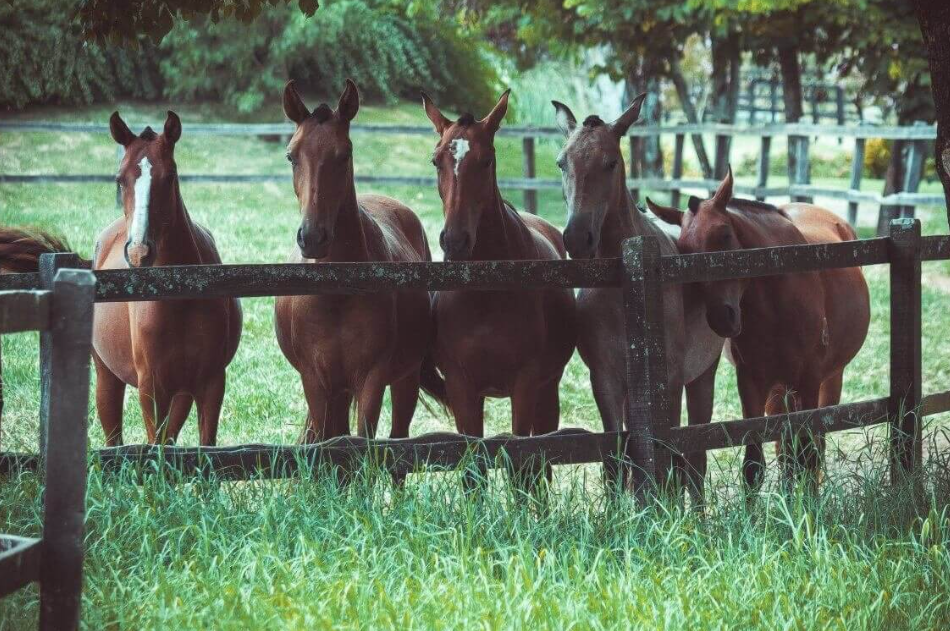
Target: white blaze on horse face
(458,147)
(143,189)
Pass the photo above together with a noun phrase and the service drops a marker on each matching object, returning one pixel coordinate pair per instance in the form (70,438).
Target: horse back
(547,238)
(400,232)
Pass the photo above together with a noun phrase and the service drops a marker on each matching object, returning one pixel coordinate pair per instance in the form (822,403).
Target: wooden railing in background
(798,188)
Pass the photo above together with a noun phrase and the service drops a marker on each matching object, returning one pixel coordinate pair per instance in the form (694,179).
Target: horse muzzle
(725,320)
(139,254)
(314,242)
(456,244)
(580,240)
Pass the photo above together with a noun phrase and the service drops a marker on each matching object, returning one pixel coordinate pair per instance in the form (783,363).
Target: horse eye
(612,165)
(291,160)
(489,162)
(561,163)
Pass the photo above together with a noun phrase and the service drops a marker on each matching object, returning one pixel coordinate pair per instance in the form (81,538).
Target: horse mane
(754,206)
(322,114)
(466,119)
(148,134)
(593,121)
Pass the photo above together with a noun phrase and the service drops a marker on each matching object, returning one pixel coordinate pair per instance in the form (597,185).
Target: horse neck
(349,238)
(623,220)
(501,234)
(179,245)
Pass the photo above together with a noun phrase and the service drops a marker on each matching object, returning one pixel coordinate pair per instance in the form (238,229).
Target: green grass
(303,554)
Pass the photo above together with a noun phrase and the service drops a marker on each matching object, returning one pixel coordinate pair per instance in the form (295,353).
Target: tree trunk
(726,58)
(934,18)
(642,80)
(689,109)
(893,183)
(791,71)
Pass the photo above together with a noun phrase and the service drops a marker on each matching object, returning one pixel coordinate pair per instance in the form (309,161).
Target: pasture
(303,553)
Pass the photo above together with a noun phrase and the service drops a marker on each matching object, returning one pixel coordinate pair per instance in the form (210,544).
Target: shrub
(877,157)
(387,54)
(43,59)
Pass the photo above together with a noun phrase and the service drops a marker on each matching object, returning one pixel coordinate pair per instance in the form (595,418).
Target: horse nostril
(300,240)
(590,239)
(442,240)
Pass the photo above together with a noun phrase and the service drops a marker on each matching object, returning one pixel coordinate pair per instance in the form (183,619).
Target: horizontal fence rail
(567,446)
(443,450)
(217,281)
(798,188)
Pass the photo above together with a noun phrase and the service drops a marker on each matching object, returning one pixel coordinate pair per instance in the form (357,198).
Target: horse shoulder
(548,238)
(206,244)
(399,228)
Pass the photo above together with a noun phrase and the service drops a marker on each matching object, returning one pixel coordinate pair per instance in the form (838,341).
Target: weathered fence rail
(799,182)
(649,439)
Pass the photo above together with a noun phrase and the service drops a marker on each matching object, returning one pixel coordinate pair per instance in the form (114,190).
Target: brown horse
(174,352)
(347,347)
(601,216)
(790,336)
(495,343)
(20,251)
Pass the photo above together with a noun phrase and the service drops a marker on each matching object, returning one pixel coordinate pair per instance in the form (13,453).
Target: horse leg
(469,411)
(699,409)
(609,395)
(155,404)
(752,396)
(548,415)
(181,408)
(338,422)
(799,453)
(405,396)
(369,403)
(319,420)
(110,396)
(525,398)
(209,409)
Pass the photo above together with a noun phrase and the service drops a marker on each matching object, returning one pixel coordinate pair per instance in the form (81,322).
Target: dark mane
(466,119)
(322,114)
(593,121)
(754,206)
(148,134)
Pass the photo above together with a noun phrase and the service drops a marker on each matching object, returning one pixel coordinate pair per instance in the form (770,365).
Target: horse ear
(724,192)
(440,122)
(629,117)
(172,131)
(693,203)
(294,106)
(493,121)
(120,131)
(668,214)
(564,118)
(349,103)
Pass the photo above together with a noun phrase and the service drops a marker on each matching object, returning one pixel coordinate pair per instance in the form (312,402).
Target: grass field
(303,554)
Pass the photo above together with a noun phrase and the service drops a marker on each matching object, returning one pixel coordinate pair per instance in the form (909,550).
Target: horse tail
(432,382)
(20,248)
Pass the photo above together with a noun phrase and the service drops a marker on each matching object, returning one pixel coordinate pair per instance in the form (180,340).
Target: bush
(387,54)
(877,157)
(44,60)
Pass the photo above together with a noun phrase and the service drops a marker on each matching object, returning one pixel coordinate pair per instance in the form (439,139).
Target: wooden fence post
(913,169)
(773,98)
(905,391)
(646,411)
(49,265)
(857,170)
(635,145)
(530,195)
(675,194)
(752,109)
(799,169)
(66,449)
(762,177)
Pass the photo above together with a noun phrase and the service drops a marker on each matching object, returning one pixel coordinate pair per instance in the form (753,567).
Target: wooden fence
(799,187)
(648,440)
(63,314)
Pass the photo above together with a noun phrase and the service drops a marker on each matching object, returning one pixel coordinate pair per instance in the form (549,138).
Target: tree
(122,21)
(934,19)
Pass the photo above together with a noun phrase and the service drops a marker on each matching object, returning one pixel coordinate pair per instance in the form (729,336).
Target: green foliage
(388,55)
(115,21)
(43,59)
(877,157)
